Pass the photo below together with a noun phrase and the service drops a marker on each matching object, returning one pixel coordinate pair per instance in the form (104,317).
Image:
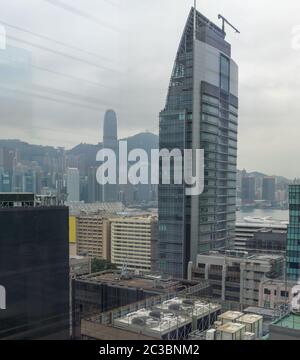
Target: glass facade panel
(293,242)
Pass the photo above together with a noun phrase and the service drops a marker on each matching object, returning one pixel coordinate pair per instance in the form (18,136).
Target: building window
(284,294)
(224,73)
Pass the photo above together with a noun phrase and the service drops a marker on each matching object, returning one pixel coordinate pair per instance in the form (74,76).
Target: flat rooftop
(231,315)
(250,318)
(165,317)
(146,282)
(291,321)
(242,255)
(231,328)
(261,226)
(266,313)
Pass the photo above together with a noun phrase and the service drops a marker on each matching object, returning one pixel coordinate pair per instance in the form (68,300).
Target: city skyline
(126,209)
(268,76)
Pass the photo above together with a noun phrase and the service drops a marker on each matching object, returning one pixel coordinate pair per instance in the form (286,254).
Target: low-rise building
(261,237)
(273,293)
(236,276)
(102,292)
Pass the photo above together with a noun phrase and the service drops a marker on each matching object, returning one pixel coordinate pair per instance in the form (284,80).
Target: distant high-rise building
(73,184)
(201,112)
(29,181)
(6,159)
(293,237)
(269,189)
(34,269)
(5,182)
(110,141)
(248,189)
(95,190)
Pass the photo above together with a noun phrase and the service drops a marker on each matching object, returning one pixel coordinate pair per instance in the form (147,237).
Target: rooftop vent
(188,302)
(139,321)
(155,314)
(174,307)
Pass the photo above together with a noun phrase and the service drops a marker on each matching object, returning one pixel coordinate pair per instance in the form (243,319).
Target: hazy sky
(127,52)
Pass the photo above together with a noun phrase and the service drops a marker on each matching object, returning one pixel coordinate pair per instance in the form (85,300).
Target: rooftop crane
(224,20)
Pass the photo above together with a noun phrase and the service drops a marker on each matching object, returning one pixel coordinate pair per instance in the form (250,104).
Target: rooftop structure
(147,282)
(109,208)
(233,325)
(286,328)
(230,316)
(79,265)
(108,291)
(231,328)
(15,200)
(172,319)
(274,293)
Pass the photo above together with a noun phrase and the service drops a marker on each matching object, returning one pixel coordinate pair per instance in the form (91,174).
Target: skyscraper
(293,237)
(201,112)
(248,189)
(73,188)
(34,269)
(268,189)
(110,141)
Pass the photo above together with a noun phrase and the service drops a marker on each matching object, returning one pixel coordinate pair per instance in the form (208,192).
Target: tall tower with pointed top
(110,192)
(201,112)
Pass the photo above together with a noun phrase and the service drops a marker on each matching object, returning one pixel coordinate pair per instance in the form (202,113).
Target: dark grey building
(248,189)
(267,241)
(101,292)
(34,269)
(201,112)
(268,189)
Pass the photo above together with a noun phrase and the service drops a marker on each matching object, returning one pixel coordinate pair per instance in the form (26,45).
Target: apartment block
(93,236)
(132,241)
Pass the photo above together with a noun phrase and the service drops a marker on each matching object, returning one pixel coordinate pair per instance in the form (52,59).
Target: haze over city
(133,66)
